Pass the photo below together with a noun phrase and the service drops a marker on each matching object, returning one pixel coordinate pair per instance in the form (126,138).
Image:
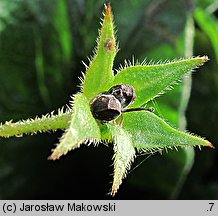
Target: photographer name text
(70,207)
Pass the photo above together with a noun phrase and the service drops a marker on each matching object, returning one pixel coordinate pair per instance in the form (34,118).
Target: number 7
(211,206)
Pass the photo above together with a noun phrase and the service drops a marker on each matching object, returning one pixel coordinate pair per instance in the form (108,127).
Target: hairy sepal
(151,133)
(151,80)
(82,127)
(124,154)
(46,123)
(99,74)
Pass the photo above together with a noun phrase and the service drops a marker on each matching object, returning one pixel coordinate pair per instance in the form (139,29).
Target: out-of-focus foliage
(42,44)
(209,25)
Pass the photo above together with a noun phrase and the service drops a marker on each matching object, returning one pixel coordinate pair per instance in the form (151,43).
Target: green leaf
(62,24)
(209,24)
(99,75)
(124,153)
(151,80)
(149,133)
(82,127)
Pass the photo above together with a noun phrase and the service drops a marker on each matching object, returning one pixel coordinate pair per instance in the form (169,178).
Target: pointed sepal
(151,133)
(151,80)
(82,127)
(99,74)
(46,123)
(124,154)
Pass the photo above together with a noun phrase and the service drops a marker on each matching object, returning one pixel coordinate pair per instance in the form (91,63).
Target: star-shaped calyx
(115,120)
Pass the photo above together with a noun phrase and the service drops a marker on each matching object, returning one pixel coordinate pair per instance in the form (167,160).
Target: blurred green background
(42,44)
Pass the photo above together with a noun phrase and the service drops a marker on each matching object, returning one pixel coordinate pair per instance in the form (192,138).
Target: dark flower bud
(124,93)
(105,107)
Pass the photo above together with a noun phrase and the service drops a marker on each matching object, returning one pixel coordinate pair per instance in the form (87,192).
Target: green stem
(212,7)
(186,91)
(31,126)
(187,81)
(40,70)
